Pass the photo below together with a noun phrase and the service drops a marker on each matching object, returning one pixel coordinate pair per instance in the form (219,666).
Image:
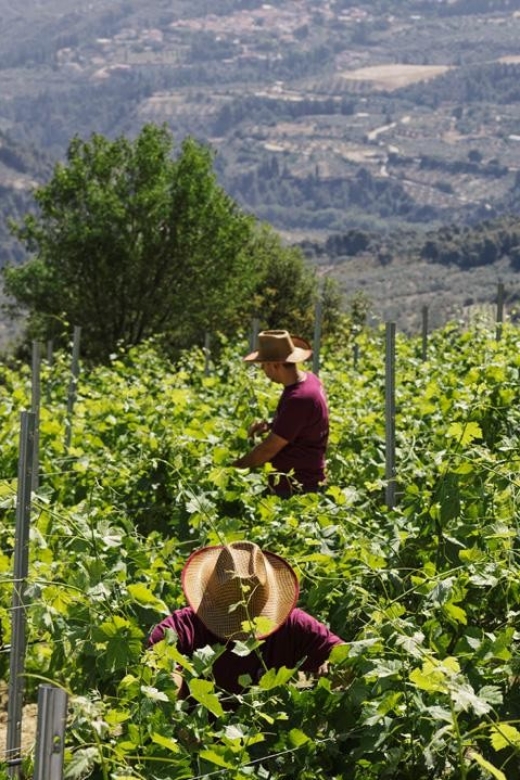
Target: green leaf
(465,698)
(463,468)
(203,691)
(481,761)
(167,650)
(153,693)
(260,626)
(114,717)
(434,675)
(465,433)
(81,763)
(339,653)
(273,678)
(456,613)
(504,736)
(215,758)
(168,742)
(245,647)
(297,738)
(144,596)
(111,628)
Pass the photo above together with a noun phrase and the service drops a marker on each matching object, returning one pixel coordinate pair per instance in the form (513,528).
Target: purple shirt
(300,638)
(302,418)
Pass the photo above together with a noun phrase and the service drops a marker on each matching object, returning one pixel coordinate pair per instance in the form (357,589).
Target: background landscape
(383,137)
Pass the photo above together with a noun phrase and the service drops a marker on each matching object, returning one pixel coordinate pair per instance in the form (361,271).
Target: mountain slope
(386,117)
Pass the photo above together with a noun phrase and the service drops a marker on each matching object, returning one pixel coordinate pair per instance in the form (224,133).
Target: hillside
(324,117)
(454,272)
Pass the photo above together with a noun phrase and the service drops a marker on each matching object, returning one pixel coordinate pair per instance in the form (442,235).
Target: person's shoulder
(306,390)
(301,619)
(182,619)
(313,384)
(191,631)
(186,616)
(304,624)
(185,613)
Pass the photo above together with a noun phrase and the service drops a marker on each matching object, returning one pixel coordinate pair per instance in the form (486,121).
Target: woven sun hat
(228,585)
(278,346)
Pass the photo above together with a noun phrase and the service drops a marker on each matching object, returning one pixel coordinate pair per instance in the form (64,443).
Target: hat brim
(224,620)
(298,355)
(301,352)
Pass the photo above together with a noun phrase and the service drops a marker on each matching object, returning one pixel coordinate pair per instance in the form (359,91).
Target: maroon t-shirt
(302,418)
(300,638)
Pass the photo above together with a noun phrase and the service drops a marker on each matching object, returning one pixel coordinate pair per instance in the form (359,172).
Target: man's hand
(261,426)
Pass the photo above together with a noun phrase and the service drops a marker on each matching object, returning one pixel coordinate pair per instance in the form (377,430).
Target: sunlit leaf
(215,758)
(464,433)
(487,765)
(297,738)
(145,597)
(153,693)
(503,735)
(275,677)
(203,691)
(168,742)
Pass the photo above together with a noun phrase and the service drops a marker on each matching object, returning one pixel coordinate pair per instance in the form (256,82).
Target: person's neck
(294,376)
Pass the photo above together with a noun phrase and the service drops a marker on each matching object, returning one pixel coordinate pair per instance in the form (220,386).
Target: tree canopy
(130,241)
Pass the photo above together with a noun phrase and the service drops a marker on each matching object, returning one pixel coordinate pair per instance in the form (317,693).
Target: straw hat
(278,346)
(226,585)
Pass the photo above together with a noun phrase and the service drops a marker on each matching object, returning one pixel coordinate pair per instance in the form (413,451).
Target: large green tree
(130,240)
(287,287)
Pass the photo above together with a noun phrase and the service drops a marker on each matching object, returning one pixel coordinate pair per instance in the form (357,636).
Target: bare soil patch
(29,724)
(395,75)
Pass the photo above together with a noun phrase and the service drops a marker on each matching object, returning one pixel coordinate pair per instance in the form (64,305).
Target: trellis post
(500,310)
(317,334)
(207,353)
(71,397)
(390,414)
(50,732)
(18,626)
(35,408)
(255,328)
(424,332)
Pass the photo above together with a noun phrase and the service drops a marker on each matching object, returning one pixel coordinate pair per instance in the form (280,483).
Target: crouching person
(238,592)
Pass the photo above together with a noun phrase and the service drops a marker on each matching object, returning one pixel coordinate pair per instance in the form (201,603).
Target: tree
(130,242)
(287,287)
(474,155)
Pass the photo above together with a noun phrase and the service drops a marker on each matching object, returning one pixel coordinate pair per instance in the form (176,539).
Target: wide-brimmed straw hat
(278,346)
(229,585)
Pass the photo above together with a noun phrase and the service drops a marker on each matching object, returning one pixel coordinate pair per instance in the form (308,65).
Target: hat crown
(278,346)
(242,562)
(275,345)
(230,586)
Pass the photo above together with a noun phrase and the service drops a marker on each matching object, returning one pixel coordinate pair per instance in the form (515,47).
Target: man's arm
(262,453)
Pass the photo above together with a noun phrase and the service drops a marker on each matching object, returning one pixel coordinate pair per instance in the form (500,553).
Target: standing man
(297,437)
